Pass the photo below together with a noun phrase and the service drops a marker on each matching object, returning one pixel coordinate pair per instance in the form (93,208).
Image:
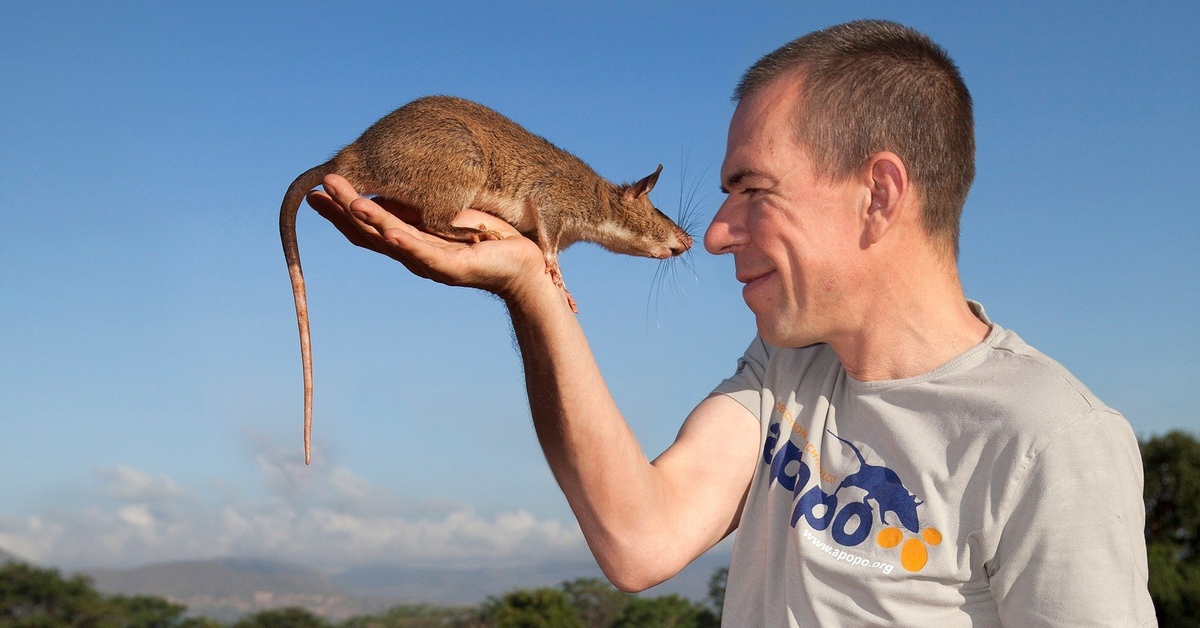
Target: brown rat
(441,155)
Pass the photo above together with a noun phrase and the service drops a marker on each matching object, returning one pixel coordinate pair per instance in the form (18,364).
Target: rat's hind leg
(441,196)
(464,234)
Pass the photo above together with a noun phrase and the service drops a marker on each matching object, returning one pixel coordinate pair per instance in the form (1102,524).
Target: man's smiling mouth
(750,278)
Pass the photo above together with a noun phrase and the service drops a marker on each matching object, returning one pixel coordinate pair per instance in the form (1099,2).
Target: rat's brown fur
(441,155)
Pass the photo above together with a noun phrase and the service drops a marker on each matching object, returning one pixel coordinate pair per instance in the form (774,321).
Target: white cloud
(322,515)
(136,515)
(131,485)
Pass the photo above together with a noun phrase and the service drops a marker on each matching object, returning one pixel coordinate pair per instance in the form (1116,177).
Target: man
(887,454)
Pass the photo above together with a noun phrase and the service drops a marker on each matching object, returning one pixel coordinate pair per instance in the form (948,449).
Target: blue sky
(150,402)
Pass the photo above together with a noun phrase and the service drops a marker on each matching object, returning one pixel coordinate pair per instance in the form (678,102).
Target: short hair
(870,86)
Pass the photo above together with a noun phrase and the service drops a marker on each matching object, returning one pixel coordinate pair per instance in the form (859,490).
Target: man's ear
(890,192)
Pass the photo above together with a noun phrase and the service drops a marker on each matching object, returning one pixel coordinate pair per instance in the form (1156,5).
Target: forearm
(613,489)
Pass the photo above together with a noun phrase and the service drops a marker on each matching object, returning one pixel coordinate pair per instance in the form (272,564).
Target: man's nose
(727,230)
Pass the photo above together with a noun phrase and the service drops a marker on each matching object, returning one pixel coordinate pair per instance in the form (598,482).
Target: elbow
(634,570)
(634,580)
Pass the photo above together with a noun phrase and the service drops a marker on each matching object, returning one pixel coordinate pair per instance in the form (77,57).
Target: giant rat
(441,155)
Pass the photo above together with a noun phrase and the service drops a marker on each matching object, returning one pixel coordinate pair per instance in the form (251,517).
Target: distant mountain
(447,585)
(444,585)
(227,589)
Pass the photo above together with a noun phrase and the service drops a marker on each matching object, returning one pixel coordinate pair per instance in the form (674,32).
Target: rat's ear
(643,187)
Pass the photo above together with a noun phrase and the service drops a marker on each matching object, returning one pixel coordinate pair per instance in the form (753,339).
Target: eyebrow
(737,176)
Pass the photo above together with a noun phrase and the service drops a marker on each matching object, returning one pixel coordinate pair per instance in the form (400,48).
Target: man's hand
(503,266)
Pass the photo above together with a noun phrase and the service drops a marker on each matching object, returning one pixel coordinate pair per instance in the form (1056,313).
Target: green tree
(596,602)
(664,611)
(539,608)
(716,592)
(34,597)
(145,611)
(31,596)
(414,616)
(1172,494)
(291,617)
(199,622)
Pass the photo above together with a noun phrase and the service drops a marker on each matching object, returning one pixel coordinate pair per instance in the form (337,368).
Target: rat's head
(635,226)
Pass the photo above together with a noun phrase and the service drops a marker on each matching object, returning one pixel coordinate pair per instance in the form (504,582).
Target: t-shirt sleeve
(746,384)
(1072,551)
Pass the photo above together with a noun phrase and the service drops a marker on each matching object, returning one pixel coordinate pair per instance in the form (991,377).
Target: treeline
(1172,495)
(33,597)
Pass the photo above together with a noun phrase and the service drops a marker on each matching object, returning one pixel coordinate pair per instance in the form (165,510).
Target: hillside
(226,589)
(443,585)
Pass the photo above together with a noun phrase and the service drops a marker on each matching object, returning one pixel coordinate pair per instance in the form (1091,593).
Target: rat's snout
(682,244)
(673,245)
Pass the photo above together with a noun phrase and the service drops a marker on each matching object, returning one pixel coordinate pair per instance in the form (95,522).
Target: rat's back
(442,138)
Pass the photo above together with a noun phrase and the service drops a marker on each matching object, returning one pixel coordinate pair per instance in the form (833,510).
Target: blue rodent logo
(848,522)
(884,486)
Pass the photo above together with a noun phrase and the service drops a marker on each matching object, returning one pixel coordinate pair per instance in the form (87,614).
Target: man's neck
(910,324)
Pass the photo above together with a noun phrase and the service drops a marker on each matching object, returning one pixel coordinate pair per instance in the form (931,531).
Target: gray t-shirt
(995,490)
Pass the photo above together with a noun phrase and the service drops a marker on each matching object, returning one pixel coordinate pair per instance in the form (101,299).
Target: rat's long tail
(291,252)
(861,460)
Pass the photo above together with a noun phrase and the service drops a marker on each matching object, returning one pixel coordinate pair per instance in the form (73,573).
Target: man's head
(871,86)
(843,194)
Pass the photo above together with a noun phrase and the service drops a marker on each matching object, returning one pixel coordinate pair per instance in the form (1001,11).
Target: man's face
(795,237)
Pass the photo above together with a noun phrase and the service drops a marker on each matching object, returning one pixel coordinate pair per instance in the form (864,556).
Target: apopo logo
(849,521)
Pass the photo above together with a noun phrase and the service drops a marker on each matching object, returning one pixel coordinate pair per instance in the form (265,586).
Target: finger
(339,188)
(359,233)
(329,209)
(422,253)
(385,214)
(384,231)
(375,219)
(351,228)
(344,194)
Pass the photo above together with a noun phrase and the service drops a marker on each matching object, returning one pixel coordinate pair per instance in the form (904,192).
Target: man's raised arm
(643,520)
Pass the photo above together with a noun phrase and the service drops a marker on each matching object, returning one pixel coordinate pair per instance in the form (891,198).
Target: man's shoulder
(792,359)
(766,371)
(1011,367)
(1035,380)
(1028,400)
(768,362)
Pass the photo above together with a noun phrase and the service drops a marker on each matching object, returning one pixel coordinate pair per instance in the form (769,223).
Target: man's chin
(779,334)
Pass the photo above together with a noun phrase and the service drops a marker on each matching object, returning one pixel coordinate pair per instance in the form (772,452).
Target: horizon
(215,587)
